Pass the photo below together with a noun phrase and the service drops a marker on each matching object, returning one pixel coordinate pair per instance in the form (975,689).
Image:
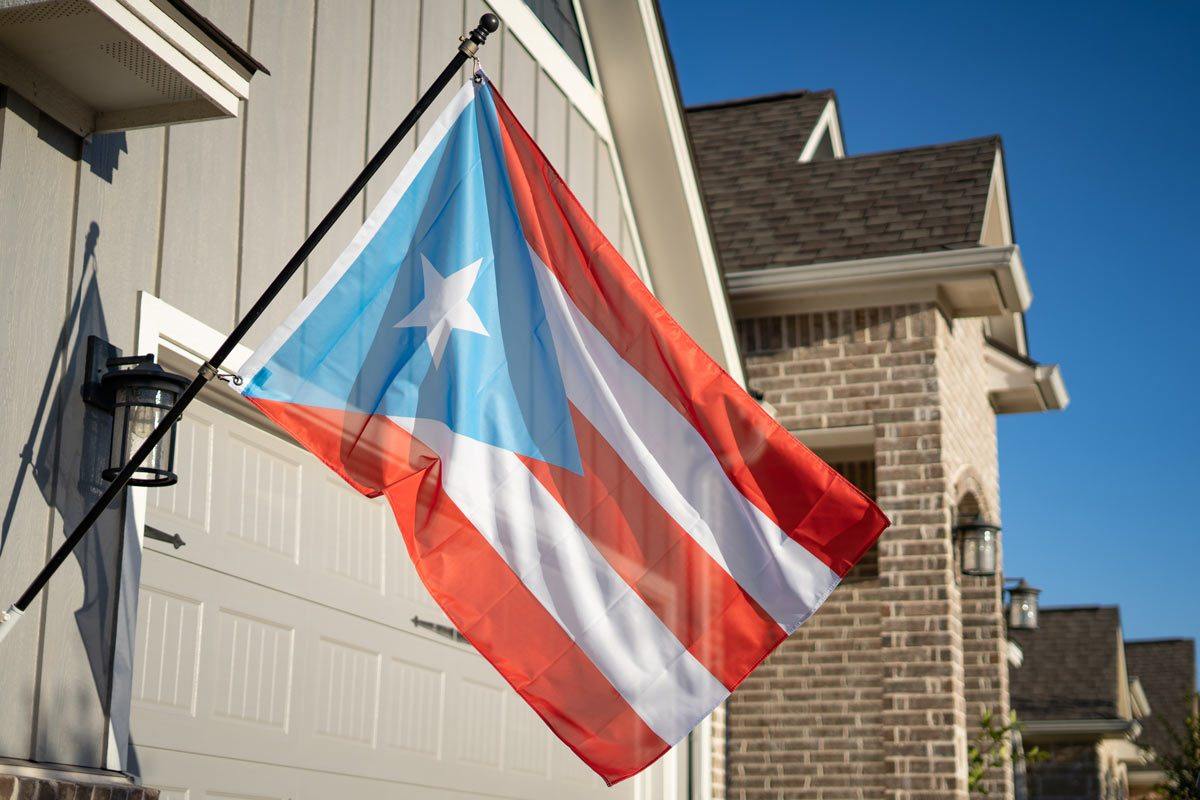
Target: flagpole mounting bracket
(208,372)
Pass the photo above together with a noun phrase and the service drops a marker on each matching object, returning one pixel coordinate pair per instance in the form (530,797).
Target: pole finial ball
(489,22)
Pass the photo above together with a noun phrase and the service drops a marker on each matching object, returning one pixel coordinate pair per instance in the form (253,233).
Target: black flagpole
(488,23)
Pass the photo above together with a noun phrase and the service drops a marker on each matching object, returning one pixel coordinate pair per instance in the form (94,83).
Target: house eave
(1042,730)
(969,282)
(70,64)
(1017,384)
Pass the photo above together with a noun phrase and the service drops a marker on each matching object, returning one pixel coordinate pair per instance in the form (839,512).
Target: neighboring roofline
(1164,640)
(1138,700)
(1092,728)
(1078,608)
(995,137)
(828,124)
(219,37)
(760,98)
(968,282)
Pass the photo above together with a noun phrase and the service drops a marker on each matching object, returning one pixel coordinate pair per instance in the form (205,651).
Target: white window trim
(587,96)
(554,61)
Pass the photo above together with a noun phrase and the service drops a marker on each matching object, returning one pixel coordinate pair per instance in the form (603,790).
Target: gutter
(1080,728)
(1001,264)
(1046,378)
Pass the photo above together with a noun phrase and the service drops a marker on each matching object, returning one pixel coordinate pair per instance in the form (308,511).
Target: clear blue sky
(1099,107)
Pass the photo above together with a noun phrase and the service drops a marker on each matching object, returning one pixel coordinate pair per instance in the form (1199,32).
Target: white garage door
(276,655)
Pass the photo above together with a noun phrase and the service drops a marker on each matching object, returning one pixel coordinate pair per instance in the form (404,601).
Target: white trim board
(553,60)
(161,328)
(827,124)
(972,282)
(691,189)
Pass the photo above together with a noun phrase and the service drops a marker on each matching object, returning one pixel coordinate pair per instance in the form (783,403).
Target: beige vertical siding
(394,49)
(275,175)
(201,225)
(35,279)
(339,120)
(203,215)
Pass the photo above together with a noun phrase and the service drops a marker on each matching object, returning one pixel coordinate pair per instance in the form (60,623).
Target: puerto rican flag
(597,506)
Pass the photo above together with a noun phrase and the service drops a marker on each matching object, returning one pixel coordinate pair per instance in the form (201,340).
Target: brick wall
(807,722)
(13,787)
(869,698)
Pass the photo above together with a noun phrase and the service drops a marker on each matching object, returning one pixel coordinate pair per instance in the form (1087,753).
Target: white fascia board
(1018,386)
(172,55)
(1082,728)
(234,78)
(827,123)
(849,436)
(691,189)
(1138,700)
(998,192)
(881,280)
(1014,653)
(1146,777)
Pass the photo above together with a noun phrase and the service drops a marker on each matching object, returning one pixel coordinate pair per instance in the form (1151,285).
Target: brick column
(924,713)
(970,456)
(871,697)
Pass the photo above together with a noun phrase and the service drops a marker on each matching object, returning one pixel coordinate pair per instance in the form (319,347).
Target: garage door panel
(186,506)
(273,514)
(281,636)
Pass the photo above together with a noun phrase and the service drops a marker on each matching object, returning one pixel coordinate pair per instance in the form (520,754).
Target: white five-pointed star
(445,307)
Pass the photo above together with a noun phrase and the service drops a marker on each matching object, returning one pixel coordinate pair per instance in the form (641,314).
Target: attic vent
(43,12)
(149,69)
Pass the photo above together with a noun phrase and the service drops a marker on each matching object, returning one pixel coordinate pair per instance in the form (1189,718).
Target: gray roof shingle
(769,210)
(1167,671)
(1070,666)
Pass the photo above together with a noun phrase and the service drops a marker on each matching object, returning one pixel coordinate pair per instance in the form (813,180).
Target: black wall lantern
(977,545)
(1023,606)
(137,392)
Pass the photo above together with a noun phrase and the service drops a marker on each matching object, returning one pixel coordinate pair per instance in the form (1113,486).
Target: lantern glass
(978,545)
(1023,607)
(141,398)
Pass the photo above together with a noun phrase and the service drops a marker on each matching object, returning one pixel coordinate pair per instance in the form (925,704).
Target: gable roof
(771,124)
(769,210)
(1167,671)
(1070,668)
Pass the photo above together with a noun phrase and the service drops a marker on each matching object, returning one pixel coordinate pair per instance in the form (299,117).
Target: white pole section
(8,620)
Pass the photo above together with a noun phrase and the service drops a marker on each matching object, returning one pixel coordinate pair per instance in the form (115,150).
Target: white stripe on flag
(445,121)
(623,637)
(679,469)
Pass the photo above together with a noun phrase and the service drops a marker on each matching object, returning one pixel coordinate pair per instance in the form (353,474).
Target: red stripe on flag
(691,593)
(370,452)
(490,605)
(765,462)
(477,589)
